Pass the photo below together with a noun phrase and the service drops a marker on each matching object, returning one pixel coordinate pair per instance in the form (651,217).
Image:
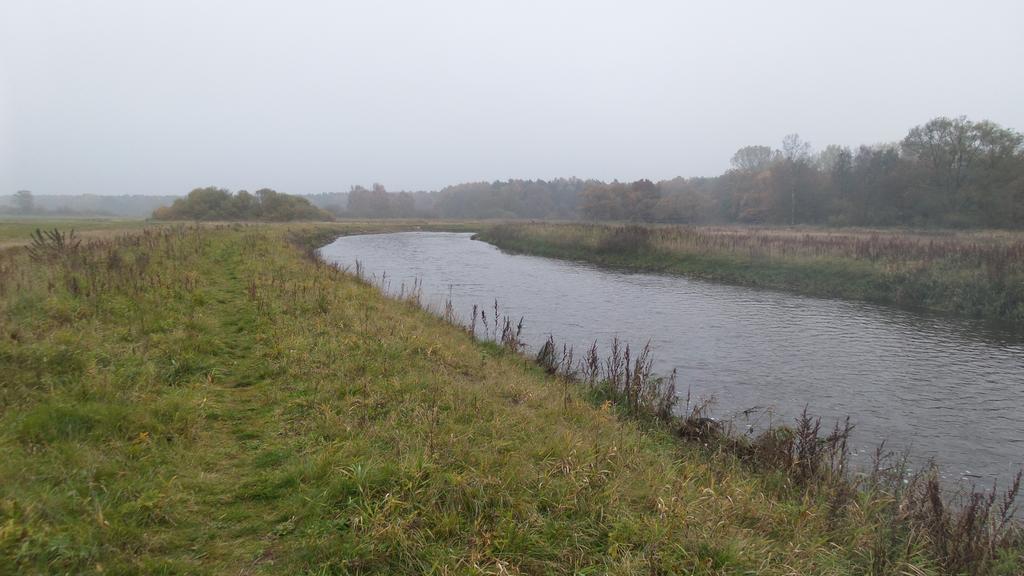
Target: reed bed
(997,249)
(977,274)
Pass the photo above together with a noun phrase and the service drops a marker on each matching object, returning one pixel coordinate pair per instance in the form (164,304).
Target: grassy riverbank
(211,400)
(975,274)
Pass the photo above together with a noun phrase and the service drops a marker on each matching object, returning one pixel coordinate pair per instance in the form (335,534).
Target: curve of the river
(943,388)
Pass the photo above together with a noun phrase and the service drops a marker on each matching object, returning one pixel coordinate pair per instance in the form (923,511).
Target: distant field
(18,231)
(14,231)
(970,273)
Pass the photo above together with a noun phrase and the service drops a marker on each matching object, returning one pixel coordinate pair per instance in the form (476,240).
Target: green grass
(209,401)
(15,231)
(978,274)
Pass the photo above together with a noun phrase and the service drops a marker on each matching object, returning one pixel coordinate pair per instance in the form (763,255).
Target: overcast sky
(159,97)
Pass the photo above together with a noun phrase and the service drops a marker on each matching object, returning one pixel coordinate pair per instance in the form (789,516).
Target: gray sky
(137,96)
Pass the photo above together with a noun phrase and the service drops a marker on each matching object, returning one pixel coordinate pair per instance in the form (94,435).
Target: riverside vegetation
(975,274)
(215,399)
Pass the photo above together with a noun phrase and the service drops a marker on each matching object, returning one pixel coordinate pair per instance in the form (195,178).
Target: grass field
(975,274)
(17,231)
(211,400)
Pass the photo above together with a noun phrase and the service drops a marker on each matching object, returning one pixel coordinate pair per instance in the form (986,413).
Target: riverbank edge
(941,294)
(809,458)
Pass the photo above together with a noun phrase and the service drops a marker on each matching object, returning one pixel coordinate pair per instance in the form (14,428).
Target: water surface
(945,388)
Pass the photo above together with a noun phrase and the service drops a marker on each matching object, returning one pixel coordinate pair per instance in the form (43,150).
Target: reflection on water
(944,388)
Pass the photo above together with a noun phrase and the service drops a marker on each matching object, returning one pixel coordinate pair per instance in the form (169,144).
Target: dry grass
(978,274)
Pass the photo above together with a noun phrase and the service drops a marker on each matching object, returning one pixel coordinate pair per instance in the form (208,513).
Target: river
(946,389)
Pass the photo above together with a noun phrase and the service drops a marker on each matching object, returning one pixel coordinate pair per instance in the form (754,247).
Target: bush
(219,204)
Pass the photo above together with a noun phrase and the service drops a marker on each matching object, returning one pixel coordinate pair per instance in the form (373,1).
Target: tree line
(947,172)
(213,203)
(25,203)
(554,199)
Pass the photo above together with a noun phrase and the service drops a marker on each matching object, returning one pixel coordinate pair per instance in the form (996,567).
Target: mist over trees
(947,172)
(213,203)
(335,202)
(555,199)
(24,202)
(27,203)
(379,203)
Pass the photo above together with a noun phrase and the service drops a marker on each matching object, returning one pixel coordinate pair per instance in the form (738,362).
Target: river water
(946,389)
